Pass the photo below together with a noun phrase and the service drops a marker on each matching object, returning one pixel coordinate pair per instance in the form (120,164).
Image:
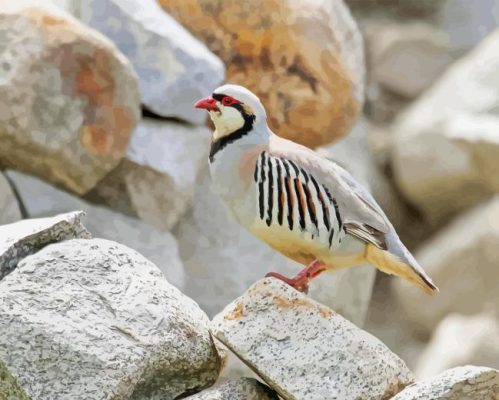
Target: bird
(299,203)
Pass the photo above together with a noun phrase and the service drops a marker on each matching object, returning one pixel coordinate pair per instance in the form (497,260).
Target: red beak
(208,103)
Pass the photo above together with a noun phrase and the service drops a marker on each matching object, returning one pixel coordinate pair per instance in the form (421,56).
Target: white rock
(93,319)
(305,350)
(237,389)
(69,99)
(9,208)
(174,68)
(406,58)
(462,260)
(462,383)
(446,149)
(461,340)
(40,199)
(20,239)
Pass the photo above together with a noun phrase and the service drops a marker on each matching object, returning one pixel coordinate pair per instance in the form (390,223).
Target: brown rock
(304,60)
(68,99)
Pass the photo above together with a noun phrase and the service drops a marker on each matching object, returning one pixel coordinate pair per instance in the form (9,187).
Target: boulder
(461,340)
(93,319)
(462,260)
(158,177)
(462,383)
(68,98)
(305,350)
(445,154)
(20,239)
(9,207)
(304,60)
(41,199)
(406,58)
(175,69)
(237,389)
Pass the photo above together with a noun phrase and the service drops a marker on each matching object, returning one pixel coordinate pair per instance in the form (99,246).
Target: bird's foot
(301,280)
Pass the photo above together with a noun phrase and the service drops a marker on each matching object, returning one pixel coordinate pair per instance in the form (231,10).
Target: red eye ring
(228,101)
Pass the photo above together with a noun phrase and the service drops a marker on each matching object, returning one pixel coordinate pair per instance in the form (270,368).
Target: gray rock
(238,389)
(406,58)
(462,259)
(462,383)
(93,319)
(165,161)
(20,239)
(69,99)
(9,208)
(41,199)
(445,153)
(461,340)
(174,68)
(305,350)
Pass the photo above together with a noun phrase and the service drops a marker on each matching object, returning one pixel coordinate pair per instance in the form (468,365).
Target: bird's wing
(361,215)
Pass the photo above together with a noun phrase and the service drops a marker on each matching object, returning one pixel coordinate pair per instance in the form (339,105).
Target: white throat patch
(226,121)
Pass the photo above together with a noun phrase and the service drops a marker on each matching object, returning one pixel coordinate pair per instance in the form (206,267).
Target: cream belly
(304,249)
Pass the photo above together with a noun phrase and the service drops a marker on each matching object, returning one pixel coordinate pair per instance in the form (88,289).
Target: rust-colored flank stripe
(301,202)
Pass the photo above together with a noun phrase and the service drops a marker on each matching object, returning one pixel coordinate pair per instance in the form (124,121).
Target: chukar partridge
(299,203)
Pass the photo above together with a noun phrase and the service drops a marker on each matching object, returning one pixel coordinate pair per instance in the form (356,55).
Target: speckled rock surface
(237,389)
(157,179)
(305,350)
(93,319)
(174,68)
(22,238)
(69,99)
(41,199)
(461,383)
(304,59)
(9,208)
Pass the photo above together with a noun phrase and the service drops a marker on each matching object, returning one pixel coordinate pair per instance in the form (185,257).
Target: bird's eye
(227,101)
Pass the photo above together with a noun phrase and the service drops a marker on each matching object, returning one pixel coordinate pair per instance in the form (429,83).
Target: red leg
(301,280)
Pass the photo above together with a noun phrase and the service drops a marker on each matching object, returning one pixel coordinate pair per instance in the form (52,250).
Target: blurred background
(96,114)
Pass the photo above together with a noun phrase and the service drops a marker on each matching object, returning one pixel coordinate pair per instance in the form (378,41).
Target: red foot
(301,280)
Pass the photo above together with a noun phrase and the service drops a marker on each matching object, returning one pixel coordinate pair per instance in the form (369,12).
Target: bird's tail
(393,265)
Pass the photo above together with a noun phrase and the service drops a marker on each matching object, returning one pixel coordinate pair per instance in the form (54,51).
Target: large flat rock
(305,350)
(20,239)
(41,199)
(461,383)
(93,319)
(174,68)
(69,99)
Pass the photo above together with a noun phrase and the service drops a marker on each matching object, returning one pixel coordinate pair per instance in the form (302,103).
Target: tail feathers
(393,265)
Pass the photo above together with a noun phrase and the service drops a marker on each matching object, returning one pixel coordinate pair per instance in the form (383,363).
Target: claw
(301,281)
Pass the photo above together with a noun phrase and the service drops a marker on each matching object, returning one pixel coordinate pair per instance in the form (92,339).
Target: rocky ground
(122,276)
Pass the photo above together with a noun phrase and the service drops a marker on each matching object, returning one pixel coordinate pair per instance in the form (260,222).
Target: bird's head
(232,108)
